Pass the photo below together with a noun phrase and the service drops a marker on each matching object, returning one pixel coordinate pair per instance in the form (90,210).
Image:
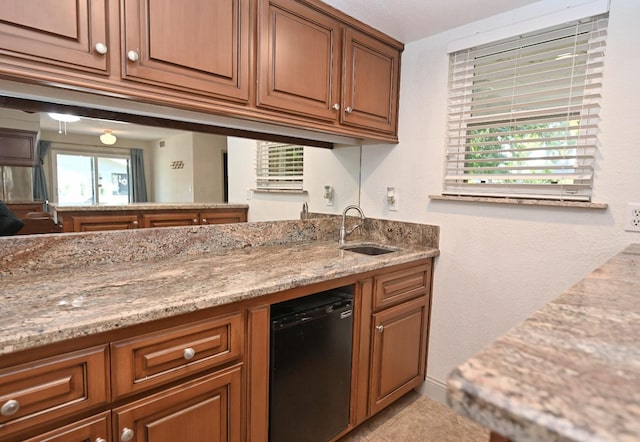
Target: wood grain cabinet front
(371,82)
(203,48)
(67,33)
(170,219)
(149,360)
(49,389)
(97,223)
(206,409)
(304,68)
(93,429)
(298,59)
(398,352)
(397,286)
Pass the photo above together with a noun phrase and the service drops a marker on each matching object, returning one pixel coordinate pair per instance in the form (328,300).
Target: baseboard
(434,389)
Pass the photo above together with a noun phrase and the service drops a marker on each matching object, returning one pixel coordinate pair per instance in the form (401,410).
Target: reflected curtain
(138,182)
(40,192)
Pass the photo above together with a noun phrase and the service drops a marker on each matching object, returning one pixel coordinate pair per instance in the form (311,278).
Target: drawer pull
(204,220)
(189,353)
(10,407)
(380,328)
(99,439)
(101,48)
(133,56)
(127,434)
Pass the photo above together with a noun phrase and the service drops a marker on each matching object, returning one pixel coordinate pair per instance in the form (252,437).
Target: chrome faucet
(343,228)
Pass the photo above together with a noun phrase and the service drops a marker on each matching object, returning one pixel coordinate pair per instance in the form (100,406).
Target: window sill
(520,202)
(294,191)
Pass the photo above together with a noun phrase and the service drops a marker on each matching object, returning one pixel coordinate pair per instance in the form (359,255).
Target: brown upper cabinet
(298,60)
(203,48)
(310,63)
(69,33)
(371,79)
(296,63)
(18,147)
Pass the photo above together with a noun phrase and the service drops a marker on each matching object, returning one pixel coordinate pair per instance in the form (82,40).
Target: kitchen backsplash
(68,251)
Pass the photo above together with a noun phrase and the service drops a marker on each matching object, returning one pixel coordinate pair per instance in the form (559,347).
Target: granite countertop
(570,372)
(146,206)
(60,304)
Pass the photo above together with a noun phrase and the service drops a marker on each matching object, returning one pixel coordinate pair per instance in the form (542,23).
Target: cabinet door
(201,47)
(18,148)
(96,428)
(298,59)
(371,81)
(169,219)
(203,410)
(59,32)
(224,216)
(101,222)
(398,355)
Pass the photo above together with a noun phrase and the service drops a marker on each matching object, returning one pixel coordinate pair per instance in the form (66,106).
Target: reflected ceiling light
(62,120)
(108,138)
(65,118)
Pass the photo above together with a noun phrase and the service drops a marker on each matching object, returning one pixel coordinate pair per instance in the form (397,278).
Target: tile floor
(416,418)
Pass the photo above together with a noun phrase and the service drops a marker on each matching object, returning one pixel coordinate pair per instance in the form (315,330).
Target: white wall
(500,263)
(338,168)
(208,170)
(173,185)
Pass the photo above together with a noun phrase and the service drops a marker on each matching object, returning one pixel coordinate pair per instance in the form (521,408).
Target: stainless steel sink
(369,249)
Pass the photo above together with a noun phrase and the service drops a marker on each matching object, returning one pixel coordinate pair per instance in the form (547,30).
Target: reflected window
(83,179)
(279,166)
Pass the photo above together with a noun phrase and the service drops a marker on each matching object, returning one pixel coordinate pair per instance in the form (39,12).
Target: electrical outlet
(633,218)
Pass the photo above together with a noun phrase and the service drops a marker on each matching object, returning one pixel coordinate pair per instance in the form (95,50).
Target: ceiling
(411,20)
(96,126)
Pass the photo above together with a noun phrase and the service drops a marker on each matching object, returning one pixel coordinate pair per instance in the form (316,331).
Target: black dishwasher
(310,373)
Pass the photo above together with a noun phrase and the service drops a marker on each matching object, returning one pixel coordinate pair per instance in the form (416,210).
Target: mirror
(181,165)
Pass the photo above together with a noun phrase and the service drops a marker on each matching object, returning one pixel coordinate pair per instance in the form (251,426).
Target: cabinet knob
(195,220)
(101,48)
(348,109)
(127,434)
(10,407)
(335,107)
(135,223)
(380,328)
(204,220)
(189,353)
(133,56)
(99,439)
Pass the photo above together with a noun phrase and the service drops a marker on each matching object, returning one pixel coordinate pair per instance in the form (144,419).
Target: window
(279,166)
(523,114)
(85,179)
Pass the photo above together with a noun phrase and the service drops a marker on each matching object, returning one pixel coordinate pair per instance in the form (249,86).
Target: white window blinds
(279,166)
(523,114)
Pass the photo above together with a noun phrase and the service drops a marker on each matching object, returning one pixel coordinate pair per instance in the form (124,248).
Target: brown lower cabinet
(203,410)
(204,376)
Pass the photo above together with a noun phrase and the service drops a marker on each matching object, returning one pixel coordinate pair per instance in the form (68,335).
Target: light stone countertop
(59,304)
(570,372)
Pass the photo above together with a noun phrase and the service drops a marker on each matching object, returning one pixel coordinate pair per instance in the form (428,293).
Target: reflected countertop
(570,372)
(146,206)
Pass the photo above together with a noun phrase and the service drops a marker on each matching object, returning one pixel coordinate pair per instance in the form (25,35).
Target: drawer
(94,428)
(49,389)
(154,359)
(401,285)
